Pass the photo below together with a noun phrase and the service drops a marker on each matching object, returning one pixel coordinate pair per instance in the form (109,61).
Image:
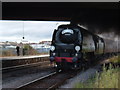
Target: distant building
(33,43)
(45,42)
(1,43)
(8,43)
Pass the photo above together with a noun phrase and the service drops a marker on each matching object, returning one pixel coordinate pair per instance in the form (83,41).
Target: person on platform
(18,50)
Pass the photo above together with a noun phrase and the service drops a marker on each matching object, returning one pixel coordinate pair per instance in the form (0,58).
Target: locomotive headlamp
(77,48)
(52,48)
(53,54)
(76,54)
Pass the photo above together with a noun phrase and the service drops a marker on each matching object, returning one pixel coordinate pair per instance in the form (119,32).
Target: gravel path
(81,77)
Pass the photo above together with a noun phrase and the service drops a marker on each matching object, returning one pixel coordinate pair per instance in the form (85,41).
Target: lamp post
(23,40)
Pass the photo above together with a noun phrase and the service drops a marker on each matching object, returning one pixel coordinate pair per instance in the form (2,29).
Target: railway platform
(22,60)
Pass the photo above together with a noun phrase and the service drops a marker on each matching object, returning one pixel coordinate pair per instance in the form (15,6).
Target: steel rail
(24,65)
(36,80)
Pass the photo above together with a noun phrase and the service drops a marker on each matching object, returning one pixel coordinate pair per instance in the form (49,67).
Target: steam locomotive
(75,47)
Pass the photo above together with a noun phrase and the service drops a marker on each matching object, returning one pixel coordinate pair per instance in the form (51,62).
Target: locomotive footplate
(65,63)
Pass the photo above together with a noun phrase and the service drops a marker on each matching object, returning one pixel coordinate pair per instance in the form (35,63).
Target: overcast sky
(34,31)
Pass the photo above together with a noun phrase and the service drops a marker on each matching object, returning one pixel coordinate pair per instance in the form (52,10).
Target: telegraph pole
(23,40)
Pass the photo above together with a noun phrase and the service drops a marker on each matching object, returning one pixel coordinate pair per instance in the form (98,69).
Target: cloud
(33,31)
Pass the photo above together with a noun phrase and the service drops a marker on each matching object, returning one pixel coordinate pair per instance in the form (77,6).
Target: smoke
(110,35)
(104,22)
(105,32)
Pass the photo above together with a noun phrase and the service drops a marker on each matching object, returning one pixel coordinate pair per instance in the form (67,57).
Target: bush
(115,59)
(107,79)
(28,50)
(7,53)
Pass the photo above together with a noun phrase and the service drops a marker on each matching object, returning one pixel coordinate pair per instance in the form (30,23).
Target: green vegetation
(115,59)
(107,79)
(28,50)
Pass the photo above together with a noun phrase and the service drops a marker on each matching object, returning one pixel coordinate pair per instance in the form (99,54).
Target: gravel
(81,77)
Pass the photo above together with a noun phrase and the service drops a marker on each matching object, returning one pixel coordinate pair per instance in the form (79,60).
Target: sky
(33,31)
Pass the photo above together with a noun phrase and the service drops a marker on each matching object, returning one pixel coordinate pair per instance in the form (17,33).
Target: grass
(115,59)
(107,79)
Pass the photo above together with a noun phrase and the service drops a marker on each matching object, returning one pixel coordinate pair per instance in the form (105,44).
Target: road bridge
(98,17)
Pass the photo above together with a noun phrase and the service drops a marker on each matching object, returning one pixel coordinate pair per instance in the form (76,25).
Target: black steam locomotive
(74,47)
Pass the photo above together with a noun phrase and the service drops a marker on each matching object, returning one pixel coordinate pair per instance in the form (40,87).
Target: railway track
(48,82)
(51,81)
(19,67)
